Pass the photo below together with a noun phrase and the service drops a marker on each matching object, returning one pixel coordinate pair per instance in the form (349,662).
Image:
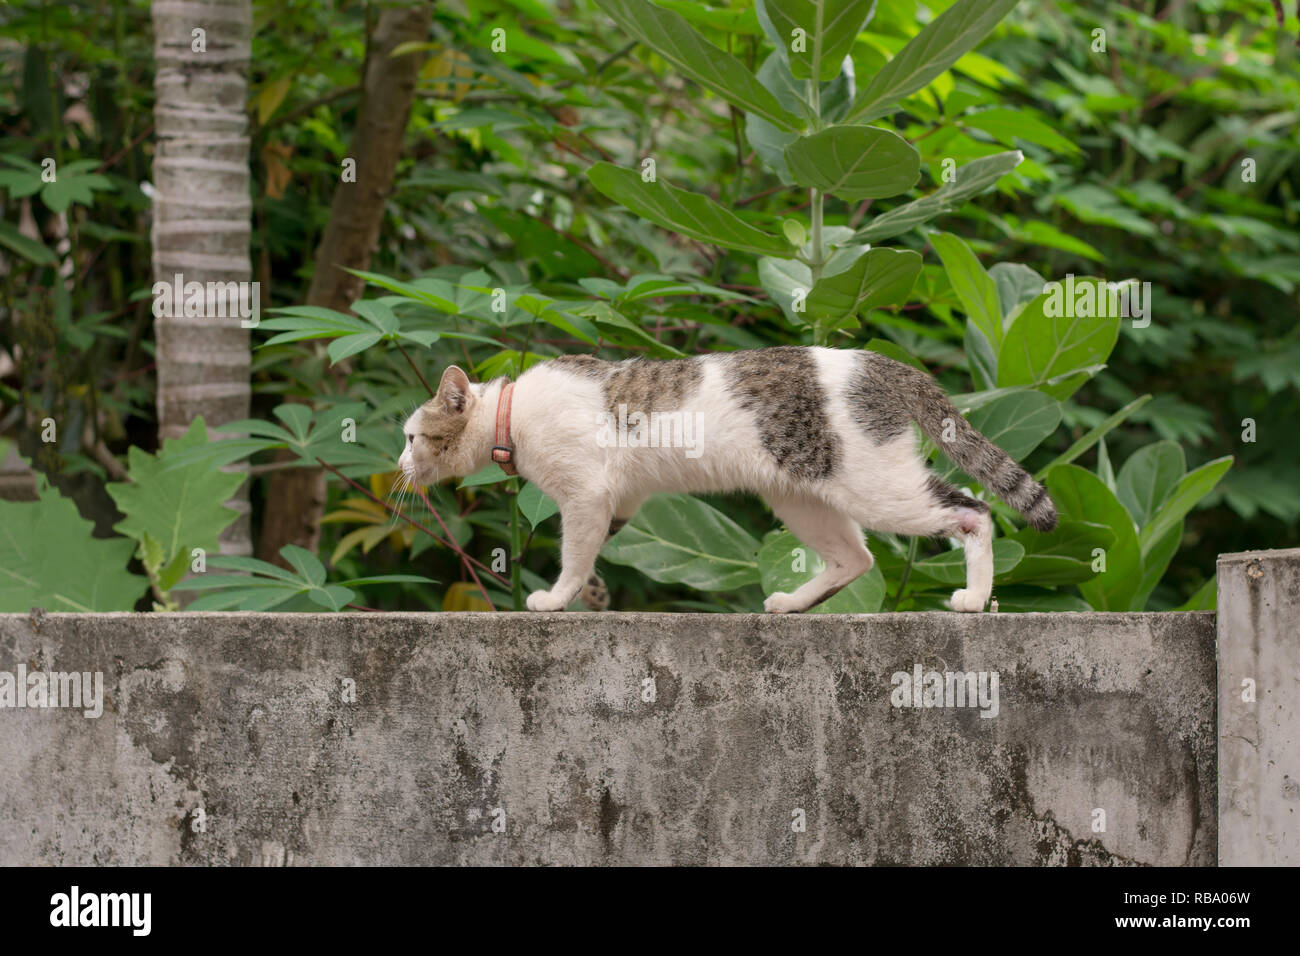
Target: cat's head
(435,433)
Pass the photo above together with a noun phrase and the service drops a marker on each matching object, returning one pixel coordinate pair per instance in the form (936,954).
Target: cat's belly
(666,470)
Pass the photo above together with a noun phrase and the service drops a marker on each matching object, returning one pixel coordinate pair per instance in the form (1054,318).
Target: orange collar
(503,452)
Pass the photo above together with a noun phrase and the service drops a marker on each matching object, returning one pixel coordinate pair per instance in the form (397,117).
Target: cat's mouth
(415,476)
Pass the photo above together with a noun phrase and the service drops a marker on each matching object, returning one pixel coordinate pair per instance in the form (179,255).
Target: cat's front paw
(545,601)
(967,601)
(781,603)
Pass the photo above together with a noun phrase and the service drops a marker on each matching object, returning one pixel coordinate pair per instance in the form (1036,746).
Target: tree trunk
(202,216)
(296,497)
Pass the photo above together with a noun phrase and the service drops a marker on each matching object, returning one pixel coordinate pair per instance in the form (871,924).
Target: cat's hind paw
(781,603)
(594,594)
(545,601)
(967,601)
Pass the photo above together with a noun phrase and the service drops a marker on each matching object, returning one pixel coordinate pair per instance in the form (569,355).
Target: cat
(823,435)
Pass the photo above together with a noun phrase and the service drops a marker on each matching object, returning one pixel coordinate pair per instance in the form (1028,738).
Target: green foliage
(784,564)
(829,27)
(928,54)
(877,278)
(49,559)
(265,587)
(536,506)
(172,511)
(678,539)
(1057,353)
(687,213)
(854,162)
(669,35)
(58,187)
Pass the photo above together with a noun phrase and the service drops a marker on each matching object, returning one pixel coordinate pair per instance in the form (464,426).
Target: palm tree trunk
(202,215)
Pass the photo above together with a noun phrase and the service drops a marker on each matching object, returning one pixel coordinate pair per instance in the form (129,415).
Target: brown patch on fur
(883,394)
(643,385)
(647,385)
(952,497)
(781,387)
(886,395)
(586,365)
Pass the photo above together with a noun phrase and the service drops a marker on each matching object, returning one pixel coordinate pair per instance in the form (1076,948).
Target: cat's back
(775,373)
(639,384)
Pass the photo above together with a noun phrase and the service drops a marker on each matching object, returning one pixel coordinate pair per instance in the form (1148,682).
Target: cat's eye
(410,439)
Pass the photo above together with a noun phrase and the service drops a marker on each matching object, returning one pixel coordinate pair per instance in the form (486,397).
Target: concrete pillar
(1259,708)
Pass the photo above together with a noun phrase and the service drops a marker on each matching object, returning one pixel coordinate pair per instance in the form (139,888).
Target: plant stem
(907,573)
(431,392)
(450,542)
(516,549)
(818,255)
(463,556)
(816,199)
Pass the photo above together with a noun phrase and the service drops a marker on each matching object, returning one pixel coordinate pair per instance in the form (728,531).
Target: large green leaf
(1081,495)
(1017,423)
(949,568)
(679,539)
(968,181)
(938,46)
(1006,125)
(262,586)
(1148,478)
(49,559)
(180,508)
(974,286)
(536,505)
(854,162)
(1191,488)
(1062,556)
(688,213)
(829,29)
(31,249)
(981,355)
(1017,285)
(785,280)
(770,141)
(1057,353)
(881,277)
(669,35)
(1155,561)
(1206,597)
(777,561)
(1094,435)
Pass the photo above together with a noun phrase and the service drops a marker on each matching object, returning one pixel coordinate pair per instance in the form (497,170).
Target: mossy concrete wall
(611,738)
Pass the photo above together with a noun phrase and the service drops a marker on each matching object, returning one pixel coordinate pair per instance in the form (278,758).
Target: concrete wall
(1259,708)
(610,738)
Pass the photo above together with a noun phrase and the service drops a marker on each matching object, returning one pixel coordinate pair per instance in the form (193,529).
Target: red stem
(394,511)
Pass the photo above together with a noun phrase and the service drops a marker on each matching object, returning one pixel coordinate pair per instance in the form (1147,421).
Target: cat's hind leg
(969,520)
(835,537)
(976,532)
(943,510)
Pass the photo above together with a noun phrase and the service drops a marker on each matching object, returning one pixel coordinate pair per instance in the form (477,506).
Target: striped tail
(977,456)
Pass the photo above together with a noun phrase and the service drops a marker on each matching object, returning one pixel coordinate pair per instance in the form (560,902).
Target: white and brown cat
(823,435)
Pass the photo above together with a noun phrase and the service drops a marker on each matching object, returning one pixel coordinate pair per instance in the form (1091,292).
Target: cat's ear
(454,391)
